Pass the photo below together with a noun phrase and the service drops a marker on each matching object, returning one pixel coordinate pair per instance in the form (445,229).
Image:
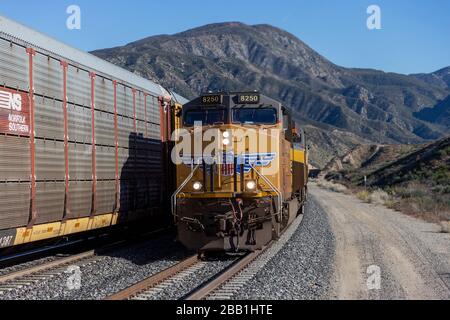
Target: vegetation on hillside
(413,180)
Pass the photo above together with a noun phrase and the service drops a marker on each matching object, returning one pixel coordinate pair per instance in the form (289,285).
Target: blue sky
(414,37)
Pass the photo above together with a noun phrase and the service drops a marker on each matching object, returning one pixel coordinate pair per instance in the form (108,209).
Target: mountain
(371,105)
(440,78)
(438,114)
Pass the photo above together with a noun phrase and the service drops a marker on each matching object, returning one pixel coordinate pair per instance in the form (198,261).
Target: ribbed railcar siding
(48,79)
(49,118)
(106,193)
(104,128)
(13,66)
(153,131)
(126,129)
(14,160)
(14,204)
(141,128)
(153,111)
(106,163)
(80,198)
(79,124)
(104,94)
(49,160)
(121,101)
(126,164)
(49,201)
(154,164)
(140,111)
(128,103)
(80,161)
(78,86)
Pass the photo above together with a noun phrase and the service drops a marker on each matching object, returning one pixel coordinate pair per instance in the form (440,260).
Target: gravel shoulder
(302,269)
(110,273)
(412,256)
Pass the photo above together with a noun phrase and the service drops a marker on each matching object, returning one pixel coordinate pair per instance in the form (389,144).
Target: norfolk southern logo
(247,160)
(10,101)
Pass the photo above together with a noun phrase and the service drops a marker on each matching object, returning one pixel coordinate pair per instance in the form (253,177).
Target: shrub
(445,226)
(335,187)
(364,196)
(379,197)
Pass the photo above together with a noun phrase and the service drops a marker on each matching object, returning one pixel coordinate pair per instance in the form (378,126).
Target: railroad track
(144,289)
(152,286)
(230,281)
(47,270)
(217,287)
(223,285)
(28,276)
(149,288)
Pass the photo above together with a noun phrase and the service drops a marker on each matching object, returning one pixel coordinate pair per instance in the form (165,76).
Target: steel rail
(46,266)
(228,274)
(154,280)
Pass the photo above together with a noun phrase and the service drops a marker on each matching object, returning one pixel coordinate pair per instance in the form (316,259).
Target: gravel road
(383,254)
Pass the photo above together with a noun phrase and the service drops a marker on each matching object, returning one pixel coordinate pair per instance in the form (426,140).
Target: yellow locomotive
(241,171)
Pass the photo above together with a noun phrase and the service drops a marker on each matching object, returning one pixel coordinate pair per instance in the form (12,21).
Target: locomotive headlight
(226,134)
(197,186)
(251,185)
(226,142)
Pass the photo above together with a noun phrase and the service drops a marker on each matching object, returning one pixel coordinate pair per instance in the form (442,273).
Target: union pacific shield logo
(227,164)
(256,160)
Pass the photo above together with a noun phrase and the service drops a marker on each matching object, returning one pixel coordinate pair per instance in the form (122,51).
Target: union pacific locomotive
(242,172)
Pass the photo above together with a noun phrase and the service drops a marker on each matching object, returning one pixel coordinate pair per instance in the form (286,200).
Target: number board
(212,99)
(250,98)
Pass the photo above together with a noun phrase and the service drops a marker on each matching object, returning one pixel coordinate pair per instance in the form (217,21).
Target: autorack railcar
(83,143)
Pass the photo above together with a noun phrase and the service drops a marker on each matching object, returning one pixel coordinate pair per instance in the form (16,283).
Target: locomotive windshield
(255,116)
(206,117)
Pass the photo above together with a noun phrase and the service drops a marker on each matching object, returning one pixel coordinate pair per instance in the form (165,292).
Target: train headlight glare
(251,185)
(197,186)
(226,134)
(226,142)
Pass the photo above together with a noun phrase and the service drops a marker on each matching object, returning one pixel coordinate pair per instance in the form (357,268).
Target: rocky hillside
(429,165)
(411,179)
(394,165)
(369,104)
(440,78)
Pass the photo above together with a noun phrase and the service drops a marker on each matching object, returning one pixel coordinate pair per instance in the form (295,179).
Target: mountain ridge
(378,106)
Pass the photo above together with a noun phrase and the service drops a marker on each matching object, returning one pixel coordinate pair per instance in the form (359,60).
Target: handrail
(280,196)
(178,191)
